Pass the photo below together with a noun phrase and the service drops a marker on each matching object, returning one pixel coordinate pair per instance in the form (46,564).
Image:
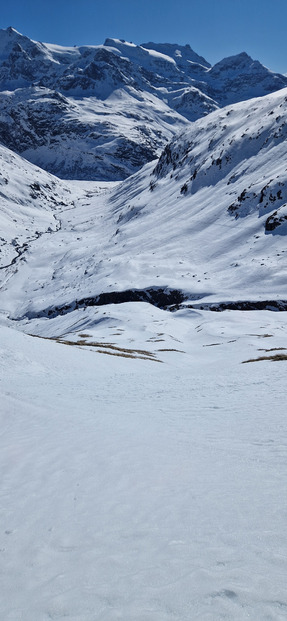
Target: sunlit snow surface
(133,489)
(143,459)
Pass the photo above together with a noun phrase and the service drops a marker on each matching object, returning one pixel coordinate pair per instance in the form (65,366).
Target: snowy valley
(143,222)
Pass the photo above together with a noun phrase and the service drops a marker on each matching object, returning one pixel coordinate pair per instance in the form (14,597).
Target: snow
(138,490)
(143,436)
(59,53)
(51,88)
(138,54)
(209,240)
(183,54)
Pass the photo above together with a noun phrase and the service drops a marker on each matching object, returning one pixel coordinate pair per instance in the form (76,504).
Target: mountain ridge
(101,112)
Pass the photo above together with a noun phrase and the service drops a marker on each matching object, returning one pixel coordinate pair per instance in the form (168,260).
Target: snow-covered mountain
(101,112)
(143,466)
(206,223)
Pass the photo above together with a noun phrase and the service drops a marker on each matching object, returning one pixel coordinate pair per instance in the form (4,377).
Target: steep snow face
(205,225)
(81,138)
(29,202)
(221,189)
(184,56)
(101,112)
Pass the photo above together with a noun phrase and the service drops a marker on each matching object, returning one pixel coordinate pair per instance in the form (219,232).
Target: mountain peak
(241,77)
(238,62)
(10,30)
(8,38)
(183,53)
(7,35)
(113,42)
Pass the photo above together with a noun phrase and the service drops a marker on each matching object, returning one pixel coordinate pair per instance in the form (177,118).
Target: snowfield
(143,348)
(133,489)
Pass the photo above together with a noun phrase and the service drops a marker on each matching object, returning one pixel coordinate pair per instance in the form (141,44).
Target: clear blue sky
(213,28)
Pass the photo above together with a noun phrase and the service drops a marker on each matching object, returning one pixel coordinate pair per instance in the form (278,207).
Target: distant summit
(182,54)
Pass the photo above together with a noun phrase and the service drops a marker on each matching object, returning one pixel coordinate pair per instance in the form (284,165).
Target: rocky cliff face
(101,112)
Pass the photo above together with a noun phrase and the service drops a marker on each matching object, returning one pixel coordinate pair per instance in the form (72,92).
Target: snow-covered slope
(139,490)
(206,222)
(143,466)
(30,198)
(86,138)
(101,112)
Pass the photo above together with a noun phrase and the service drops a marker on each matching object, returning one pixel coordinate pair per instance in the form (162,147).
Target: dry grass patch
(154,339)
(261,336)
(112,349)
(105,348)
(273,349)
(180,351)
(274,358)
(124,355)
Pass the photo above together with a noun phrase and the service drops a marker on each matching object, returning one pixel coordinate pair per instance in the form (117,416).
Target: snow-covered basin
(138,490)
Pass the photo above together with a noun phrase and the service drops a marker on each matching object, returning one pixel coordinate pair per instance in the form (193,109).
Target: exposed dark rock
(274,221)
(168,299)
